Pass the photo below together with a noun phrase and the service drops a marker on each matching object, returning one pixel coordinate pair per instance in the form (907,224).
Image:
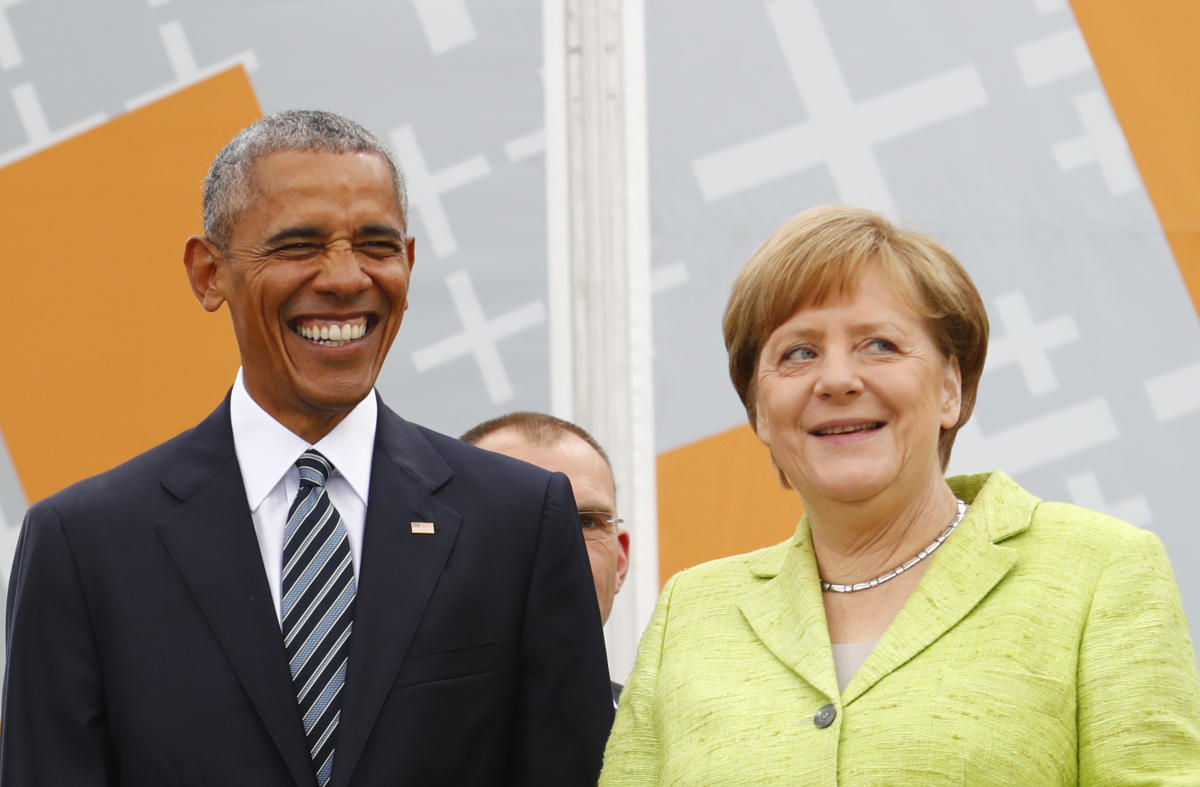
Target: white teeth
(334,335)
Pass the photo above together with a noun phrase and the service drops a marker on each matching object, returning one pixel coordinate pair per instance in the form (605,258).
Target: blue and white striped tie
(318,608)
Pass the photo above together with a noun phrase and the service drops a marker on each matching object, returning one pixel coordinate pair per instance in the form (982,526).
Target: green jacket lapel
(787,614)
(966,568)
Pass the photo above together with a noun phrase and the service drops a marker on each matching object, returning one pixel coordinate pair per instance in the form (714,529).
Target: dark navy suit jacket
(143,646)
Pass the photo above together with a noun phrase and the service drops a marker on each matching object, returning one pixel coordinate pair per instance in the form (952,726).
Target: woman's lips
(846,428)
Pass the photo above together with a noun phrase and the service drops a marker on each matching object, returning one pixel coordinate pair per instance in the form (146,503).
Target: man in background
(305,589)
(561,446)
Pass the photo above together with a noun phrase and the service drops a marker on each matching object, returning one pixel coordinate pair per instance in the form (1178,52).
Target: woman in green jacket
(915,630)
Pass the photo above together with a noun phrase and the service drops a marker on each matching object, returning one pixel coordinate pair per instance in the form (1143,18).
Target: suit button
(825,716)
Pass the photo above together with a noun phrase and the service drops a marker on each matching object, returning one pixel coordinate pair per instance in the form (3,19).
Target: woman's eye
(801,353)
(882,345)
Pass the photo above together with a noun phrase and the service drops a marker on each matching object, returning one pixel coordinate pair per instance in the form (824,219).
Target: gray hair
(227,185)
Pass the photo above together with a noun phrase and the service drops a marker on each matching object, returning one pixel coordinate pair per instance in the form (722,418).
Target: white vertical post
(598,228)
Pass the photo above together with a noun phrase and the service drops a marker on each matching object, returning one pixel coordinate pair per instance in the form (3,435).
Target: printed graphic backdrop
(986,124)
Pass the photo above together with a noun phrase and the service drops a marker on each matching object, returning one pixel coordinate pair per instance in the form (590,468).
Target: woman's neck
(855,542)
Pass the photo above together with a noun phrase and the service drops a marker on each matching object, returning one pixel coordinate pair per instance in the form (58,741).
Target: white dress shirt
(267,452)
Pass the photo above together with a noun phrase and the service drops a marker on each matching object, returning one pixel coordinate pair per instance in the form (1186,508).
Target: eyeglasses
(598,524)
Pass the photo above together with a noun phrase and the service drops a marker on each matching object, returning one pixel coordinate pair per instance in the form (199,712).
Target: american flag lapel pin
(422,528)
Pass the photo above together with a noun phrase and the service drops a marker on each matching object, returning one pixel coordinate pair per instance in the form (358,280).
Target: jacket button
(825,716)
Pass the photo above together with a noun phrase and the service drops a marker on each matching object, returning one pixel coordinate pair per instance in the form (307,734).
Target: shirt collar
(267,450)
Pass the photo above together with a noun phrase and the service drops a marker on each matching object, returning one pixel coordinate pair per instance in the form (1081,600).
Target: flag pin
(422,528)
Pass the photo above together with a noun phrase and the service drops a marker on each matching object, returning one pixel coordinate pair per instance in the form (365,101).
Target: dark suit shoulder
(138,473)
(164,473)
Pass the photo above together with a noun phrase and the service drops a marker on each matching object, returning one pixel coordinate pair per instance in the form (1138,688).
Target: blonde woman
(916,629)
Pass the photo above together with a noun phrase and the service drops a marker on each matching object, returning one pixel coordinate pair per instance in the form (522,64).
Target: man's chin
(335,399)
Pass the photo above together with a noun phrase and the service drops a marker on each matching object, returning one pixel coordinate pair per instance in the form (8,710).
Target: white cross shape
(10,53)
(1102,143)
(1053,58)
(526,145)
(8,547)
(1036,442)
(1026,343)
(839,133)
(1049,6)
(480,336)
(446,23)
(669,276)
(1084,490)
(425,188)
(37,128)
(12,505)
(183,63)
(1175,394)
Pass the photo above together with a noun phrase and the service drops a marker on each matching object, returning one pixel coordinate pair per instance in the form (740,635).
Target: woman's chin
(867,483)
(844,491)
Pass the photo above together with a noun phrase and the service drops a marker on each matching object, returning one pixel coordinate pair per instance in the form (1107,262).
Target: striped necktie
(317,603)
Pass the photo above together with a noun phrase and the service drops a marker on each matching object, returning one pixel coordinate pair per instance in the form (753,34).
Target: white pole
(599,243)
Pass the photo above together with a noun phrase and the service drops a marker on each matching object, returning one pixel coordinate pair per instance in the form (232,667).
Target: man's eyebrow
(381,229)
(296,233)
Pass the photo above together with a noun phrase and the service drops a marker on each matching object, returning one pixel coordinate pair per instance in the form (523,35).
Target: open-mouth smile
(332,333)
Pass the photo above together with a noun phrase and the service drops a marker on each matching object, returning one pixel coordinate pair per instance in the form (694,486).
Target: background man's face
(316,277)
(592,483)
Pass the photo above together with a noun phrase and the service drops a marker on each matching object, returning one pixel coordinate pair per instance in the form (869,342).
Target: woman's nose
(838,377)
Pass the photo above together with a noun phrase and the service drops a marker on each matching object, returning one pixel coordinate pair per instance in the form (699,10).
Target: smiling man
(305,588)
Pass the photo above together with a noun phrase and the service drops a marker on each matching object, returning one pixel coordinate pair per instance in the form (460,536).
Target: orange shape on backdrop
(115,354)
(1147,57)
(720,496)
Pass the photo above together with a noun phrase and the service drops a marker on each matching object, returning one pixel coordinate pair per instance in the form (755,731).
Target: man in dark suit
(563,447)
(305,589)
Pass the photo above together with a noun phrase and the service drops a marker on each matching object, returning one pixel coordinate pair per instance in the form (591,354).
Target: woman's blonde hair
(822,253)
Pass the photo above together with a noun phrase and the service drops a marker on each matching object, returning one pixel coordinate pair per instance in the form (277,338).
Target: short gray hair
(227,185)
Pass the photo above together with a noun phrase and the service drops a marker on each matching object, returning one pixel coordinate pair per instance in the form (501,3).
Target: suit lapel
(399,571)
(966,568)
(787,614)
(211,540)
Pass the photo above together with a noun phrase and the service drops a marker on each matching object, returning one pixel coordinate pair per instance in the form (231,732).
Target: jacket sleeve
(634,756)
(1138,690)
(55,729)
(564,710)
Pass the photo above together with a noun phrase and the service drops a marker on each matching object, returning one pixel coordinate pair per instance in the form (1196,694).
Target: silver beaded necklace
(906,565)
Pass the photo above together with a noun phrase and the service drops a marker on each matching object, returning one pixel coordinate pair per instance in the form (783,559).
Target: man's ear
(205,266)
(622,558)
(410,249)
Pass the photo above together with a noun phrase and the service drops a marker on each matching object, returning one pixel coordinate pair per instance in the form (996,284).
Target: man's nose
(342,272)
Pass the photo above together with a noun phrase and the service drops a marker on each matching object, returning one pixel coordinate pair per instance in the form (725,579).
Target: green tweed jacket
(1045,645)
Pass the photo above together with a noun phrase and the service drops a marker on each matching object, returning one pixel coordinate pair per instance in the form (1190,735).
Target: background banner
(1050,147)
